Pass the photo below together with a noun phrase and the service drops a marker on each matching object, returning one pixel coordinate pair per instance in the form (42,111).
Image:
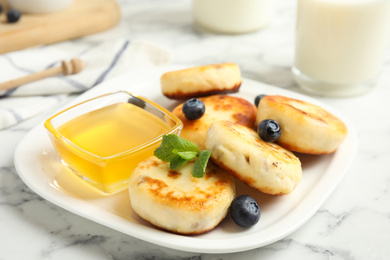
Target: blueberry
(245,211)
(269,130)
(193,109)
(13,16)
(257,99)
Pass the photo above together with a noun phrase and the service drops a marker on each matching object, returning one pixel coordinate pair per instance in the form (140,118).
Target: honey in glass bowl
(103,139)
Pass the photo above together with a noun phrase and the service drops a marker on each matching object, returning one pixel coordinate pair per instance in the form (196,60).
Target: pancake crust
(173,200)
(218,107)
(264,166)
(201,81)
(306,128)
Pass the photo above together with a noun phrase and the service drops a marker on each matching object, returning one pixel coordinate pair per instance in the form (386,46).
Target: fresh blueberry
(245,211)
(257,99)
(13,15)
(269,130)
(193,109)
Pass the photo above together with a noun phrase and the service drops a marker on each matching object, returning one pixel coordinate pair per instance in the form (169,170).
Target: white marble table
(354,223)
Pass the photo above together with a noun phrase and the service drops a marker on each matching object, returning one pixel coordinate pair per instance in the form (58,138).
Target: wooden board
(84,17)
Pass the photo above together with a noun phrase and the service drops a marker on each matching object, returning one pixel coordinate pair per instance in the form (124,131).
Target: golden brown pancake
(264,166)
(306,128)
(173,200)
(218,107)
(201,81)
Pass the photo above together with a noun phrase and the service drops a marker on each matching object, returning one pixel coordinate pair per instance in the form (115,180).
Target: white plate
(40,168)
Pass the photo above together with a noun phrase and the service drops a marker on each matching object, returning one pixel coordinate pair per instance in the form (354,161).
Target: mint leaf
(201,164)
(173,142)
(178,151)
(181,144)
(188,155)
(164,151)
(164,154)
(176,162)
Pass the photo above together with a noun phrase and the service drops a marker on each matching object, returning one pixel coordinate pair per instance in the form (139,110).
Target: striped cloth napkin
(102,60)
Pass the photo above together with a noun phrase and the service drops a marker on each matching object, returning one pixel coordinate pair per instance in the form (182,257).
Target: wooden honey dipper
(67,68)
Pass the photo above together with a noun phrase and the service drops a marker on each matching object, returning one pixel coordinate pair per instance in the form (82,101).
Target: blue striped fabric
(102,61)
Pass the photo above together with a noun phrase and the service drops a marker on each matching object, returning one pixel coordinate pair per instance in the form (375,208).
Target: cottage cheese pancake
(173,200)
(218,107)
(306,128)
(264,166)
(201,81)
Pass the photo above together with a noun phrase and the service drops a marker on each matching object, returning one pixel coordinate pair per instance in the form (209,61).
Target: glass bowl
(103,139)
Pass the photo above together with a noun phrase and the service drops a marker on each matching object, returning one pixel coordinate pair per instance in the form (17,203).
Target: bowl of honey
(103,139)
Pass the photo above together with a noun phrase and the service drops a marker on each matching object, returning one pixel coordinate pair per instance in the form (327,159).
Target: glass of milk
(340,45)
(231,16)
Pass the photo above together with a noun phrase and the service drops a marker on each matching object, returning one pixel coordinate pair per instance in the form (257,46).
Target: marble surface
(354,223)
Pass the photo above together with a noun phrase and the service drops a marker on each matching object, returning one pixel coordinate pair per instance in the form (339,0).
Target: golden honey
(103,146)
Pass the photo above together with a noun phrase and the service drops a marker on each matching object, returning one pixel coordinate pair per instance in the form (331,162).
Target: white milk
(340,43)
(232,16)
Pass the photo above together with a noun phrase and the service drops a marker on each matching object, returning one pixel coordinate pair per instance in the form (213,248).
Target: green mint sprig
(178,151)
